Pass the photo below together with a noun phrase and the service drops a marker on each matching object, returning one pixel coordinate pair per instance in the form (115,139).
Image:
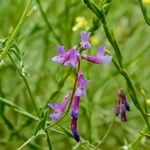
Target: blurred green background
(51,82)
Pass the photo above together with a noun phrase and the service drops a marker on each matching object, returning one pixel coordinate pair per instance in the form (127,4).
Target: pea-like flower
(74,129)
(99,58)
(73,58)
(75,107)
(85,44)
(121,106)
(81,86)
(59,108)
(62,55)
(69,58)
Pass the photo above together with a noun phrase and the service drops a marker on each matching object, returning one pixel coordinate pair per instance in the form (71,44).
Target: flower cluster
(121,106)
(71,58)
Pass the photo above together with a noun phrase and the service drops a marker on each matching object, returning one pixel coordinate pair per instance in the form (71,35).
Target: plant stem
(110,36)
(47,21)
(27,86)
(72,96)
(143,9)
(14,33)
(107,133)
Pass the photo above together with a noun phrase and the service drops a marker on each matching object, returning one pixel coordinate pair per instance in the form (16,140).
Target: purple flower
(59,108)
(73,57)
(85,40)
(99,58)
(121,106)
(69,58)
(75,107)
(81,86)
(74,129)
(62,55)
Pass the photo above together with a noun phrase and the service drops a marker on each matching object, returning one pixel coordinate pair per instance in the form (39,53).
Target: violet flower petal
(75,107)
(75,130)
(85,44)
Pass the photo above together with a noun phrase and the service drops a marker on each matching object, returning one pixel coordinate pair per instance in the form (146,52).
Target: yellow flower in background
(148,102)
(81,23)
(147,1)
(94,40)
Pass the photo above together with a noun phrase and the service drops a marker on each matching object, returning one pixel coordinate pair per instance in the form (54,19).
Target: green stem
(72,96)
(110,36)
(27,85)
(47,21)
(24,144)
(48,141)
(14,33)
(147,20)
(18,109)
(106,134)
(135,100)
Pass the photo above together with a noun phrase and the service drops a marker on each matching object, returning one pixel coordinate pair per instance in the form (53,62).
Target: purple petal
(92,59)
(127,107)
(78,92)
(58,59)
(54,106)
(75,130)
(85,40)
(123,115)
(85,36)
(101,51)
(61,50)
(85,45)
(64,103)
(56,116)
(74,57)
(105,59)
(75,107)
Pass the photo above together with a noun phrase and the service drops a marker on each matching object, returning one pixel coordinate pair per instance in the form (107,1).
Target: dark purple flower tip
(121,106)
(85,44)
(123,116)
(75,130)
(127,107)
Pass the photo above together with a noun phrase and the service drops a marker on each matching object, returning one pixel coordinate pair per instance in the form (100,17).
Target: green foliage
(29,33)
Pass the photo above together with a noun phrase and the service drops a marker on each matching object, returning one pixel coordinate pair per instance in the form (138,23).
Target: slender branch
(27,85)
(18,109)
(27,142)
(144,12)
(106,134)
(72,96)
(110,36)
(14,33)
(47,21)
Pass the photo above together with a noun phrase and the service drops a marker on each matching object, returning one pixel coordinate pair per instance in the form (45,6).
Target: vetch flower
(99,58)
(121,106)
(62,55)
(74,129)
(69,58)
(73,57)
(75,107)
(59,108)
(85,44)
(81,85)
